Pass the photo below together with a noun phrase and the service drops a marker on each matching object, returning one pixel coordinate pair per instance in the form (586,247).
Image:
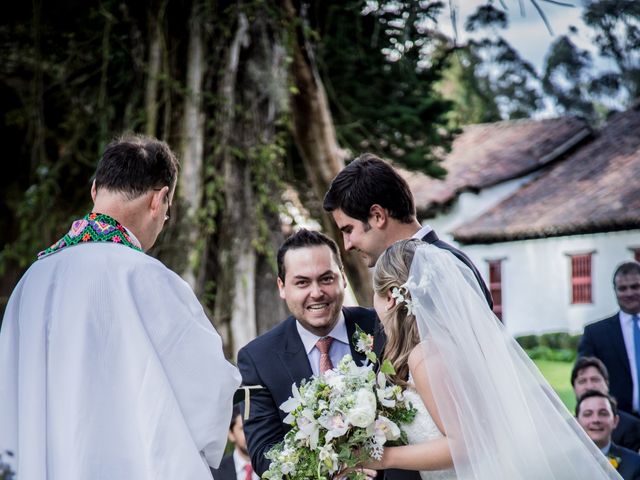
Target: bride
(484,410)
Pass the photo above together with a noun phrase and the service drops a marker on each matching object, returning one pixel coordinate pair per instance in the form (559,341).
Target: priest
(109,367)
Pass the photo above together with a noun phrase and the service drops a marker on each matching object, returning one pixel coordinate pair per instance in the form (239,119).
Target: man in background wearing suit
(374,208)
(236,465)
(314,338)
(616,340)
(597,413)
(589,373)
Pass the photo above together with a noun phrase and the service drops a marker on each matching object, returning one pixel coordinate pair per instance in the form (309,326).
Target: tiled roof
(595,189)
(488,154)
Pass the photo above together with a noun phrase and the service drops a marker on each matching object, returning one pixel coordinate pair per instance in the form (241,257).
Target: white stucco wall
(536,279)
(470,205)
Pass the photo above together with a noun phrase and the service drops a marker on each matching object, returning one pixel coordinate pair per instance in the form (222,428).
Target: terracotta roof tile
(595,189)
(488,154)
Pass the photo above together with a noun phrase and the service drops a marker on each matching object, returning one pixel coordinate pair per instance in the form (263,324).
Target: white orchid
(384,429)
(309,429)
(336,426)
(329,457)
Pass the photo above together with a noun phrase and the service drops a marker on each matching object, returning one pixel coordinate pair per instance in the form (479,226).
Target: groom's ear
(378,216)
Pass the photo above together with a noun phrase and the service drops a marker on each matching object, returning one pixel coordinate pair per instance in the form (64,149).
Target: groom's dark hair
(368,181)
(305,238)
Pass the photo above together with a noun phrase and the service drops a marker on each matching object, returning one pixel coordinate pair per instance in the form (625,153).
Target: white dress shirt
(422,232)
(240,464)
(626,322)
(339,347)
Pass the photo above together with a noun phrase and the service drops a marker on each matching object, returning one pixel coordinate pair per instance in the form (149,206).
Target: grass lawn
(558,374)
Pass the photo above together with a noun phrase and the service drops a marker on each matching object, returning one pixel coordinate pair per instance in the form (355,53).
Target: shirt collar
(422,232)
(606,448)
(239,462)
(626,318)
(309,340)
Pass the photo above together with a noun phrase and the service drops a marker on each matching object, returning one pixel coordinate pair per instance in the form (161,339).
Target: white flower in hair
(401,295)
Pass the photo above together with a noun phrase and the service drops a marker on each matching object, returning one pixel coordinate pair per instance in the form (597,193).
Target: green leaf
(387,368)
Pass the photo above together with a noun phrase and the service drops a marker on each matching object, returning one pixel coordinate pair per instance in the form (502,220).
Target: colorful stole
(95,227)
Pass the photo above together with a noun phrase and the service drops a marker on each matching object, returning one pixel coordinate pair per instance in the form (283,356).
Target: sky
(527,32)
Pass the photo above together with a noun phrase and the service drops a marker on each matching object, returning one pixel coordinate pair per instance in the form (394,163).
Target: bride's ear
(391,301)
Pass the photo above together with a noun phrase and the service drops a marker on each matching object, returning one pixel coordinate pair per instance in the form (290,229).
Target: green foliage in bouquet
(339,419)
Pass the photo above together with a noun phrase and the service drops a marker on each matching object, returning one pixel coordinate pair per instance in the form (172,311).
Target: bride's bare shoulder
(416,357)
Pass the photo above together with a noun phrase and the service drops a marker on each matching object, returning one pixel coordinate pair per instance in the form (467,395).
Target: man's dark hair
(135,164)
(625,268)
(586,362)
(237,412)
(305,238)
(597,393)
(367,181)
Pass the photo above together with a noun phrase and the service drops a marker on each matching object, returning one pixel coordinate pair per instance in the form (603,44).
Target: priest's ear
(156,202)
(94,191)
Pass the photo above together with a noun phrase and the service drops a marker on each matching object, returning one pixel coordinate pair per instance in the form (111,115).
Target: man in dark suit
(315,337)
(614,339)
(237,464)
(597,413)
(589,373)
(374,208)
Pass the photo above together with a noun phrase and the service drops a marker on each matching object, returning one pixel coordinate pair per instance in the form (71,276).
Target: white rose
(364,411)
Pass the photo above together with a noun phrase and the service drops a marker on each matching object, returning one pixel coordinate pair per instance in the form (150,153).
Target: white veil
(502,418)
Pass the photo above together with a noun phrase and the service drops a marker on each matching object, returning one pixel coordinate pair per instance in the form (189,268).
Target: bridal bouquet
(339,419)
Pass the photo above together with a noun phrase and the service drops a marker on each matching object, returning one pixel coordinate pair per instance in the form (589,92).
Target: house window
(495,285)
(636,254)
(581,278)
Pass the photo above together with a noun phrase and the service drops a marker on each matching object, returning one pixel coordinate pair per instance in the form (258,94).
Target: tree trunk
(190,177)
(153,72)
(315,137)
(249,231)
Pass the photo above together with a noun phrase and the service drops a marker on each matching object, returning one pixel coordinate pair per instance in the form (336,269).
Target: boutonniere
(614,461)
(363,343)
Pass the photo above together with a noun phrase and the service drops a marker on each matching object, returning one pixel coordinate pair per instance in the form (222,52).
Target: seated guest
(236,465)
(589,373)
(597,413)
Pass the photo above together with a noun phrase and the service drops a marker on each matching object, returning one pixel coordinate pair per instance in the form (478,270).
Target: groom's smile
(313,287)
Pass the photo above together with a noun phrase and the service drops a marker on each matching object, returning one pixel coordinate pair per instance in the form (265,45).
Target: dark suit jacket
(603,339)
(629,468)
(433,239)
(276,360)
(627,433)
(226,470)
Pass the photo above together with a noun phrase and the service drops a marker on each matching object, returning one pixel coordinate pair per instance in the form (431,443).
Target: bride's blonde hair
(392,270)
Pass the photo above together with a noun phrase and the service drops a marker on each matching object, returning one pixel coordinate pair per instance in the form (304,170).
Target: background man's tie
(325,360)
(247,471)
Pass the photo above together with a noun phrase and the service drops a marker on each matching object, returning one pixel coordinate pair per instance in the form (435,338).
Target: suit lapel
(351,319)
(350,323)
(617,342)
(294,358)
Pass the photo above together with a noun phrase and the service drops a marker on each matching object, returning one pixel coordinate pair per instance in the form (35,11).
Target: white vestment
(109,370)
